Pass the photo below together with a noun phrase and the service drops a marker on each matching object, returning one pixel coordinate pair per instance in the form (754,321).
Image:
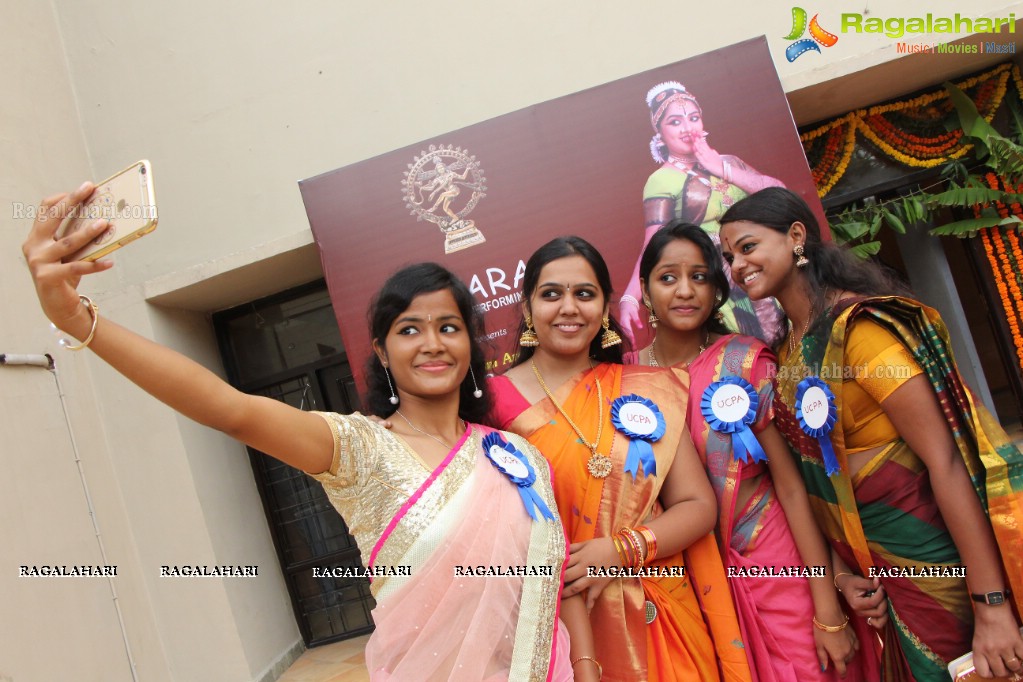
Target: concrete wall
(234,103)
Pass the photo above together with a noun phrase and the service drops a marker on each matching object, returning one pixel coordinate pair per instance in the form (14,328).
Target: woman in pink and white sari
(435,495)
(433,508)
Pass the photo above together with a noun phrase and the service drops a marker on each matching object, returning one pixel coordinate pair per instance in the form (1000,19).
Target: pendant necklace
(599,465)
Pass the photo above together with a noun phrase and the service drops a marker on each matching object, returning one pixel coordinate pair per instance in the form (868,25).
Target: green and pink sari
(886,515)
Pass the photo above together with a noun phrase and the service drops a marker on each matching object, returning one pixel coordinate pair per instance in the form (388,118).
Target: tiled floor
(338,662)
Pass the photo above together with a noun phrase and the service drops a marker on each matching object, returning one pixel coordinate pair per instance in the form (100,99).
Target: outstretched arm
(298,438)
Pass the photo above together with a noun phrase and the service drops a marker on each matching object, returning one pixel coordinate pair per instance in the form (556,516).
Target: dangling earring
(394,396)
(477,393)
(653,319)
(610,337)
(801,260)
(529,338)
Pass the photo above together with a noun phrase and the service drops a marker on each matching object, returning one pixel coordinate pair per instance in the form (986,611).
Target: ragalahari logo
(803,45)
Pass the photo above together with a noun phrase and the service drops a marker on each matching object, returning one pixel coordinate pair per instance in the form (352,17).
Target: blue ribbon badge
(513,464)
(730,406)
(642,422)
(816,412)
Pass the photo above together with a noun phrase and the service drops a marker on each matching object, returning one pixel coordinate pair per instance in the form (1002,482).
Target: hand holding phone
(127,200)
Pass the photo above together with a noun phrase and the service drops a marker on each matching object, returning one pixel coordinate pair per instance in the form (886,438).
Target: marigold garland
(1002,247)
(909,131)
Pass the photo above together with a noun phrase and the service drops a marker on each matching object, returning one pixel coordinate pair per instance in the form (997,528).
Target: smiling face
(761,257)
(681,126)
(427,348)
(567,307)
(679,288)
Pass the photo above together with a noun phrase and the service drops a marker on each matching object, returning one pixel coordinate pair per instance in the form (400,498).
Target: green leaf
(973,123)
(971,196)
(867,249)
(855,230)
(875,225)
(919,210)
(968,228)
(1017,117)
(894,221)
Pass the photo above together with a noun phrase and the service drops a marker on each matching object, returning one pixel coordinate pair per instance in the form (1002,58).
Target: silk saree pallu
(885,517)
(773,613)
(450,547)
(693,634)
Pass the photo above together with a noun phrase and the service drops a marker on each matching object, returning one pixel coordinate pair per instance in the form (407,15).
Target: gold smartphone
(962,670)
(127,200)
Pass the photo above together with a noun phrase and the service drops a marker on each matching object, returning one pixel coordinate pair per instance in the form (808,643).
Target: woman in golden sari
(629,485)
(910,478)
(436,494)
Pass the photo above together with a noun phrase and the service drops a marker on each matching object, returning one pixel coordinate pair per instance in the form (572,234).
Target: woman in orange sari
(617,442)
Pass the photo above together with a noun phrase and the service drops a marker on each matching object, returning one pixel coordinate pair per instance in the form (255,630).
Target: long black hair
(392,300)
(680,230)
(831,266)
(563,247)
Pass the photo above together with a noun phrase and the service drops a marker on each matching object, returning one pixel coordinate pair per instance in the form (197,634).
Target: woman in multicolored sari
(697,184)
(437,495)
(910,478)
(629,485)
(794,629)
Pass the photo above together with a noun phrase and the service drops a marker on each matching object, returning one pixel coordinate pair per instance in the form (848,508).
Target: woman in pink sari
(794,628)
(433,504)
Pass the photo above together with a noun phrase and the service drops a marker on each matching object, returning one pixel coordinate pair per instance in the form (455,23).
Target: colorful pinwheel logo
(817,35)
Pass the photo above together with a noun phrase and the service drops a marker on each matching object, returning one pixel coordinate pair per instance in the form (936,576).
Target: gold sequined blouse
(373,473)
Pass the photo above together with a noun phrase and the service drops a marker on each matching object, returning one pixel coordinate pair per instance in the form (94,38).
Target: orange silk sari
(695,633)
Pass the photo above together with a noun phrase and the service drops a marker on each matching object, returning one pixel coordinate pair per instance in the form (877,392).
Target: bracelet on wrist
(830,628)
(600,668)
(651,542)
(93,313)
(839,575)
(630,298)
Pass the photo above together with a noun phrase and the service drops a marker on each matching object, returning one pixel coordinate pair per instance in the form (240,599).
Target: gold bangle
(622,555)
(94,314)
(600,668)
(651,542)
(830,628)
(839,575)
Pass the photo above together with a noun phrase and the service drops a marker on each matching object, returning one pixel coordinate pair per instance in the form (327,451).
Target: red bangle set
(629,543)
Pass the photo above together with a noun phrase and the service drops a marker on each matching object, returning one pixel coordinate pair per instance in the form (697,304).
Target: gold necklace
(428,435)
(653,357)
(792,339)
(598,465)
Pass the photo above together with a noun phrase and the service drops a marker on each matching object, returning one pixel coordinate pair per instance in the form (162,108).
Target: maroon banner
(481,199)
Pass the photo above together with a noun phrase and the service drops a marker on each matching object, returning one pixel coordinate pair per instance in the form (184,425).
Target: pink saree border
(417,494)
